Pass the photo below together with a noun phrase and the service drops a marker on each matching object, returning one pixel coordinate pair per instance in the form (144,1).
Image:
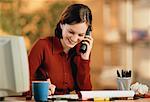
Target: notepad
(107,94)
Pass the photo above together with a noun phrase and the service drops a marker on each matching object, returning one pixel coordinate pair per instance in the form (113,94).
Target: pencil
(101,99)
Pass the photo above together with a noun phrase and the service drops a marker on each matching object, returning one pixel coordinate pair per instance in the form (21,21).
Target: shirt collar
(56,45)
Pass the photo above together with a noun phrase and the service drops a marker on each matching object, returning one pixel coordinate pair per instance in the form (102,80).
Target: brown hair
(73,14)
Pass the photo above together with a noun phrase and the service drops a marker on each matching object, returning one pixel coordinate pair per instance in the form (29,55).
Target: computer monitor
(14,68)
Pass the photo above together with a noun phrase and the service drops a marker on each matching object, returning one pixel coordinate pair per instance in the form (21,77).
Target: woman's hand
(51,87)
(88,40)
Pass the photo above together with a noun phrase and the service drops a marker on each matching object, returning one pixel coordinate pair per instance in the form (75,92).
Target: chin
(70,46)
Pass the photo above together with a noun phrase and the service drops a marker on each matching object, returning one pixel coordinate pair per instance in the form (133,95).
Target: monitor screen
(14,68)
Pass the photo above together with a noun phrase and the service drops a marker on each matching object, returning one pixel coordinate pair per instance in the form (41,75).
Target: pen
(97,99)
(129,73)
(118,74)
(101,99)
(124,73)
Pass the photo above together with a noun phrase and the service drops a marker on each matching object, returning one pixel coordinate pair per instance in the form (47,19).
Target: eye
(81,35)
(71,32)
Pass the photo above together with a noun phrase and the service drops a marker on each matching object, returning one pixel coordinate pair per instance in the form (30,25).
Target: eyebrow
(70,29)
(74,31)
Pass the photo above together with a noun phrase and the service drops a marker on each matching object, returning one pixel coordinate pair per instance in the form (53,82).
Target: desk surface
(23,99)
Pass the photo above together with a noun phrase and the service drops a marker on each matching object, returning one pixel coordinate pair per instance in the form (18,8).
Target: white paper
(107,94)
(67,96)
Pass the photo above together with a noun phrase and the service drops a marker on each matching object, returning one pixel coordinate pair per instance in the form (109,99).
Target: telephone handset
(83,47)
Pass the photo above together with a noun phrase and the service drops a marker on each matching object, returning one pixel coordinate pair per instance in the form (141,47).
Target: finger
(88,37)
(52,87)
(49,92)
(86,42)
(49,81)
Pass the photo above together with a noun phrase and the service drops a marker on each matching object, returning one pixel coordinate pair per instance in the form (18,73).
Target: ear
(61,26)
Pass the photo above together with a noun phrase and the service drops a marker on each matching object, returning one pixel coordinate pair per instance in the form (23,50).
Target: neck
(65,48)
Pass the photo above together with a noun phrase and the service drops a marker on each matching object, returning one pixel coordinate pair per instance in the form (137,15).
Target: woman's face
(73,34)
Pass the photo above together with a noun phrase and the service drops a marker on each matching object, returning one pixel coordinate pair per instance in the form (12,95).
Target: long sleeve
(83,74)
(35,58)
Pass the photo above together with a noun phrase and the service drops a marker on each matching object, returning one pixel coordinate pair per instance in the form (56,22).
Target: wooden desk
(23,99)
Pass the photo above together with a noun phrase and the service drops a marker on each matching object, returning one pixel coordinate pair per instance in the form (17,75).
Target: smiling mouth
(70,41)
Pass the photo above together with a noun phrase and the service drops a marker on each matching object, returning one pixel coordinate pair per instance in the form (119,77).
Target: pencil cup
(40,90)
(123,83)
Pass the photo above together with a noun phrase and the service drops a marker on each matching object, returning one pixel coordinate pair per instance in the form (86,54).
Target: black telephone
(83,47)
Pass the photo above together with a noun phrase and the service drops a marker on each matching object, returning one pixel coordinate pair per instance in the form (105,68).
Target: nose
(75,38)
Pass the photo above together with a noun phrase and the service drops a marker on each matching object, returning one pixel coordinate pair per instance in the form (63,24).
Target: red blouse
(47,54)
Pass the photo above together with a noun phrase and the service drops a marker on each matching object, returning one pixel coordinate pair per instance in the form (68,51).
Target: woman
(59,59)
